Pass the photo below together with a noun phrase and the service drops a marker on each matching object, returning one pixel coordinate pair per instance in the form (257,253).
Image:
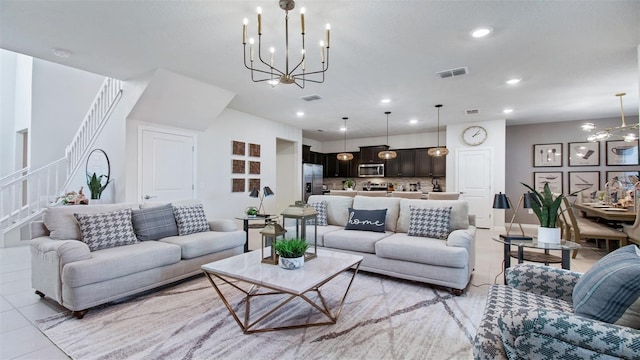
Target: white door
(167,165)
(474,183)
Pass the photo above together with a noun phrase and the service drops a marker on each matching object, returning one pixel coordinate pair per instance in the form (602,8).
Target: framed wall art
(237,185)
(237,148)
(620,152)
(583,153)
(254,167)
(254,184)
(554,179)
(254,150)
(237,167)
(623,176)
(584,181)
(547,155)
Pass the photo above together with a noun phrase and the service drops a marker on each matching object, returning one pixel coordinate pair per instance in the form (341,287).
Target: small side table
(246,225)
(540,257)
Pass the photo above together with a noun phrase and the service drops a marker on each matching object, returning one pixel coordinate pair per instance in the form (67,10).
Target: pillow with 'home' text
(366,220)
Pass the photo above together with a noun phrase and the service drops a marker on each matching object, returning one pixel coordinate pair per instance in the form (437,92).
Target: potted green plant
(546,207)
(251,211)
(291,253)
(349,184)
(96,188)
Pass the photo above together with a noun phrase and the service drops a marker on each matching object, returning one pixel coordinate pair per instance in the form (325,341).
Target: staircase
(26,193)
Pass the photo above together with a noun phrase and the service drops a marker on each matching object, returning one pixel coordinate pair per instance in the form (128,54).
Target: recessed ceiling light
(513,81)
(62,53)
(413,121)
(507,111)
(385,101)
(481,32)
(300,114)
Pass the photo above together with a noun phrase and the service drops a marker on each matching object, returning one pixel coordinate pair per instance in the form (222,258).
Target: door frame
(171,131)
(490,191)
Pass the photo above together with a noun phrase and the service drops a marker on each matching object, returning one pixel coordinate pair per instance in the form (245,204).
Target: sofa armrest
(222,225)
(48,257)
(465,238)
(543,280)
(553,333)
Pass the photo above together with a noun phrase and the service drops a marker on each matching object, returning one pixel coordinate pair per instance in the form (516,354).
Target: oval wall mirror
(98,163)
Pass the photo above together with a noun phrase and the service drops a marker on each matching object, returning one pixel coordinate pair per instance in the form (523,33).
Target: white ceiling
(572,56)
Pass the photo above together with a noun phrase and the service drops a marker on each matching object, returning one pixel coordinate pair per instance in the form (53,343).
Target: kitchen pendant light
(387,154)
(345,156)
(438,151)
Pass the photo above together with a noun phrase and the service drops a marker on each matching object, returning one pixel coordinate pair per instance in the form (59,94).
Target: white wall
(61,97)
(418,140)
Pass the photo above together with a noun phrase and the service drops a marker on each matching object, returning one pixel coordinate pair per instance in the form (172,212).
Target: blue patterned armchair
(532,317)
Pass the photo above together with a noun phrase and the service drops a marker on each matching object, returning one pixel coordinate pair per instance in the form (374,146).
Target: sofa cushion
(106,230)
(190,219)
(120,261)
(361,241)
(154,223)
(372,203)
(208,242)
(337,208)
(459,212)
(366,220)
(429,251)
(321,208)
(62,225)
(429,222)
(610,290)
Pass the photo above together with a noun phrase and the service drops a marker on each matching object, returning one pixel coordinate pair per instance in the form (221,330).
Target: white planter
(549,235)
(291,263)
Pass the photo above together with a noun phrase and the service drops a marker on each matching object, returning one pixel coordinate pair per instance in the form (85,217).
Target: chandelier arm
(262,61)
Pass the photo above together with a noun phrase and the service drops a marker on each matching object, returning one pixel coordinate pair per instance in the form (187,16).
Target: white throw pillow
(106,230)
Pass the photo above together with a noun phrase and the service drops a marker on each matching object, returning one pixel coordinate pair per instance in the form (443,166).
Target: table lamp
(501,201)
(255,193)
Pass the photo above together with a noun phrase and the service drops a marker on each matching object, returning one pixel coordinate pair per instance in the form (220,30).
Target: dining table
(606,212)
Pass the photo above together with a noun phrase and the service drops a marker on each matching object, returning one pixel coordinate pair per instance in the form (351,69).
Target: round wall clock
(474,135)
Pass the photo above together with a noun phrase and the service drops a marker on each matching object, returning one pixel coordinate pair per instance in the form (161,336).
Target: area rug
(382,318)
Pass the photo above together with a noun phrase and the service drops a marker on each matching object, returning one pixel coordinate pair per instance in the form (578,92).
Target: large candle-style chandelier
(294,74)
(628,133)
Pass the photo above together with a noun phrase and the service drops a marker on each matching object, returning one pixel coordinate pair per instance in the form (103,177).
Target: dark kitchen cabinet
(338,168)
(403,165)
(369,154)
(331,165)
(439,166)
(429,165)
(311,157)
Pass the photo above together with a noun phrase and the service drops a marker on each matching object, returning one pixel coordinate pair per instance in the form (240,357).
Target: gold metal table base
(254,290)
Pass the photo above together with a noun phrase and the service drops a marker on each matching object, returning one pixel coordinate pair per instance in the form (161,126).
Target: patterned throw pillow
(106,230)
(366,220)
(429,222)
(321,208)
(610,290)
(154,223)
(190,219)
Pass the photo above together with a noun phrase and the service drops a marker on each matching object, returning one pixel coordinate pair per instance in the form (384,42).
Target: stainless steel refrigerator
(311,180)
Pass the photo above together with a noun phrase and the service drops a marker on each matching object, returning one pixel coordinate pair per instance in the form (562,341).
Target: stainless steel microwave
(371,170)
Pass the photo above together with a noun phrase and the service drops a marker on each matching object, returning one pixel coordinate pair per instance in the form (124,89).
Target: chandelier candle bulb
(259,20)
(328,29)
(302,19)
(244,31)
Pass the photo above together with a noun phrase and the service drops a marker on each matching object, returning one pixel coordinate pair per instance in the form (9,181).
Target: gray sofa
(446,262)
(65,269)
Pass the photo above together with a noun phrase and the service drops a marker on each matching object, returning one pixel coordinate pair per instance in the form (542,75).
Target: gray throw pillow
(106,230)
(429,222)
(366,220)
(190,219)
(154,223)
(610,290)
(321,208)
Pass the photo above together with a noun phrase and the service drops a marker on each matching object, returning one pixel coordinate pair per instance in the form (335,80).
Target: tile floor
(20,307)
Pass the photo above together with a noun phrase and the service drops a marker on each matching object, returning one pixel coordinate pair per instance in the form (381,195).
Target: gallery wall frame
(583,153)
(622,153)
(554,178)
(584,181)
(623,176)
(547,155)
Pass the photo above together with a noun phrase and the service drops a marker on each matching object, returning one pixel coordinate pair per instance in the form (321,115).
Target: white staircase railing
(93,122)
(25,193)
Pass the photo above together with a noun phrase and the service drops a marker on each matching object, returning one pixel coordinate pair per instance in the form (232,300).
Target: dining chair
(343,193)
(372,193)
(578,229)
(407,194)
(633,231)
(443,196)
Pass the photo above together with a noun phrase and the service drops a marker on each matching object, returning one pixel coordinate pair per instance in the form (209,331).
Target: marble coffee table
(246,273)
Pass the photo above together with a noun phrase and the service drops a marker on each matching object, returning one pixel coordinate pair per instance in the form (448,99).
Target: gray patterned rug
(383,318)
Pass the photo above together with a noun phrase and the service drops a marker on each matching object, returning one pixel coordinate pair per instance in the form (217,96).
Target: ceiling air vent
(471,111)
(311,98)
(453,72)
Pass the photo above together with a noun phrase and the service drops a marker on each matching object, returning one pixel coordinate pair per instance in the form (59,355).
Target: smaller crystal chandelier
(297,74)
(628,133)
(345,156)
(387,154)
(438,151)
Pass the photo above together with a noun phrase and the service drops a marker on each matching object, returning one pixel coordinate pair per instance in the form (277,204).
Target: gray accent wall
(519,156)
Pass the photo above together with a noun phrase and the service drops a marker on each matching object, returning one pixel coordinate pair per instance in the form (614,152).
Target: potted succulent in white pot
(349,184)
(546,207)
(291,253)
